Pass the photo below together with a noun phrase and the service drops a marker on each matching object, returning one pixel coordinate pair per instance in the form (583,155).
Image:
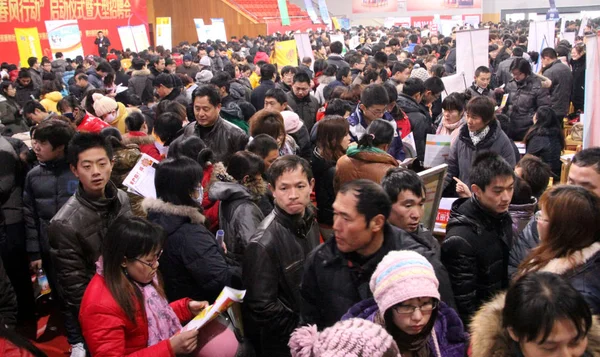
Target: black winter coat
(524,99)
(324,174)
(562,87)
(273,265)
(522,246)
(334,281)
(239,216)
(420,122)
(225,139)
(76,233)
(8,300)
(578,94)
(306,108)
(302,138)
(192,264)
(140,84)
(47,188)
(475,253)
(24,94)
(548,148)
(257,98)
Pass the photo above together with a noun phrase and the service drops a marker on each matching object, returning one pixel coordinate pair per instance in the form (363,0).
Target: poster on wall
(217,31)
(28,43)
(541,35)
(163,32)
(364,6)
(140,36)
(64,36)
(201,30)
(441,5)
(126,36)
(469,52)
(91,15)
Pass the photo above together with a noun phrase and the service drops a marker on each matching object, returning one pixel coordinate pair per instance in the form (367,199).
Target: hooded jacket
(475,253)
(562,87)
(334,281)
(490,339)
(239,216)
(48,187)
(273,264)
(462,152)
(449,330)
(369,163)
(144,141)
(224,139)
(76,233)
(420,122)
(50,101)
(10,115)
(140,84)
(524,99)
(192,264)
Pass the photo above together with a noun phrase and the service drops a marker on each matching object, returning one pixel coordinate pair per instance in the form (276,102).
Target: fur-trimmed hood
(141,72)
(219,174)
(138,140)
(232,189)
(489,339)
(562,265)
(159,206)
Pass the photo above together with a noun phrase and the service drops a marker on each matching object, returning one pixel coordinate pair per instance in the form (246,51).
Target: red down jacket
(108,332)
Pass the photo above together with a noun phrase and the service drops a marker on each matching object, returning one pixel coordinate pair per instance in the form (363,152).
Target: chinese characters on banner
(91,15)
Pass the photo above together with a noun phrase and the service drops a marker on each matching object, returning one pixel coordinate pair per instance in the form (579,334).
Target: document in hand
(141,178)
(226,298)
(437,150)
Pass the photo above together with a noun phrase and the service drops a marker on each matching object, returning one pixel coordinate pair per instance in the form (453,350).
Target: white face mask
(109,118)
(200,197)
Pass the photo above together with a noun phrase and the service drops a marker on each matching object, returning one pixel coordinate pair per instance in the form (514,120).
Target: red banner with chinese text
(92,15)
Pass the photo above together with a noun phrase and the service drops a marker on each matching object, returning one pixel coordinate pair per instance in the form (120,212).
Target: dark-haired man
(337,273)
(96,75)
(305,67)
(77,230)
(479,235)
(169,87)
(35,72)
(102,42)
(274,258)
(301,101)
(257,98)
(503,72)
(481,84)
(36,113)
(562,81)
(400,74)
(223,137)
(287,78)
(335,58)
(48,186)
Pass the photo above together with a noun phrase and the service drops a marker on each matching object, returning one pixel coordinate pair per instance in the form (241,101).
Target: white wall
(495,6)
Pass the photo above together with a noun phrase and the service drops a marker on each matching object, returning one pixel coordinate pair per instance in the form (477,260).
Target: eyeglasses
(378,113)
(409,309)
(153,263)
(538,217)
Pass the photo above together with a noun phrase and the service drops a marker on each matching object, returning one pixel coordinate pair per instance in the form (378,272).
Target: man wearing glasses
(301,101)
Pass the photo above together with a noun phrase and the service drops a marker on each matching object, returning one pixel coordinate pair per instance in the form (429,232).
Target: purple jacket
(452,338)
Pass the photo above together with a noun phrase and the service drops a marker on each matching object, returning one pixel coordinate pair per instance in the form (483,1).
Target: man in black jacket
(479,235)
(275,256)
(102,43)
(337,274)
(562,81)
(76,232)
(257,98)
(302,102)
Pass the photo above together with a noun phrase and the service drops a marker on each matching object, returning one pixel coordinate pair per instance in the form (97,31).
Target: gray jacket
(503,72)
(463,152)
(140,84)
(337,60)
(562,86)
(524,99)
(306,108)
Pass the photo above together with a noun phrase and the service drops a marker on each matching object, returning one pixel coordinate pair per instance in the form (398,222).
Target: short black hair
(336,47)
(522,65)
(176,179)
(31,61)
(56,132)
(134,121)
(245,163)
(166,126)
(374,94)
(371,198)
(267,72)
(482,69)
(338,107)
(486,167)
(537,300)
(434,84)
(85,141)
(413,38)
(262,145)
(104,67)
(288,163)
(482,106)
(392,92)
(277,94)
(413,86)
(191,147)
(302,77)
(209,91)
(549,52)
(399,67)
(536,173)
(342,72)
(400,179)
(289,69)
(588,158)
(221,79)
(517,52)
(456,101)
(31,106)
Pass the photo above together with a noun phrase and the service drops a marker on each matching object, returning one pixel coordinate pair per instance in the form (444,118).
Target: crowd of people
(308,173)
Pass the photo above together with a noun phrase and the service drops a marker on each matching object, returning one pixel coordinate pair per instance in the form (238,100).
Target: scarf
(477,137)
(417,344)
(162,321)
(355,150)
(452,127)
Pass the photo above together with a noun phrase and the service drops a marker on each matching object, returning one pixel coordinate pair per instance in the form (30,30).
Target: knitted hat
(403,275)
(103,105)
(209,49)
(291,121)
(205,61)
(187,58)
(204,76)
(420,73)
(349,338)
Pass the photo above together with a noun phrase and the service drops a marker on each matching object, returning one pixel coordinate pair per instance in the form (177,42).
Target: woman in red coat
(124,311)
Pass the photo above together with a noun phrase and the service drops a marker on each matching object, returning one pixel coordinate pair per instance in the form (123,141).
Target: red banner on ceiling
(92,16)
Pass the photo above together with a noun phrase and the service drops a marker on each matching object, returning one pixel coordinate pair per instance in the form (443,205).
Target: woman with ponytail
(369,159)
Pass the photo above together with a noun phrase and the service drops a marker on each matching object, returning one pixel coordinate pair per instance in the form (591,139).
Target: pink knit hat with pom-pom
(349,338)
